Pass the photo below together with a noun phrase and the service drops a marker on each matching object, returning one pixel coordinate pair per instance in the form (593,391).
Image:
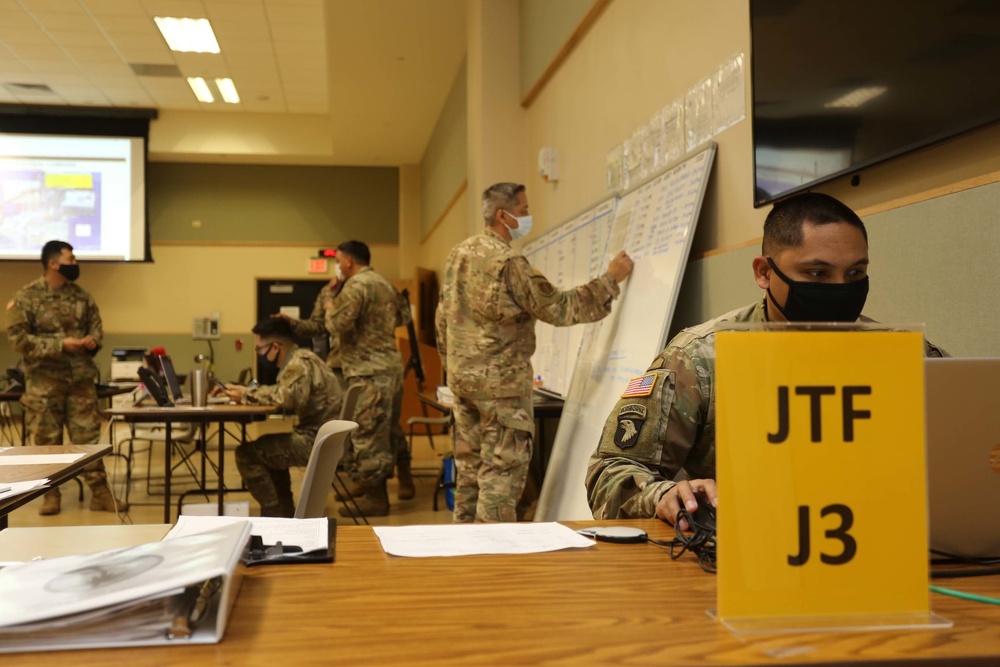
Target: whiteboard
(569,255)
(654,223)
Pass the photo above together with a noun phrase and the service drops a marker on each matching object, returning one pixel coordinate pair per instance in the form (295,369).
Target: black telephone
(155,388)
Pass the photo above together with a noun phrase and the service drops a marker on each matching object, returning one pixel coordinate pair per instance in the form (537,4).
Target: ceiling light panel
(200,88)
(187,35)
(228,91)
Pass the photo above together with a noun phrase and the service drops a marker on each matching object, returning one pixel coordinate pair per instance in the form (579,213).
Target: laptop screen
(170,376)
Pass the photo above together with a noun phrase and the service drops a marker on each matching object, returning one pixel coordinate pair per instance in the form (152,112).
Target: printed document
(475,539)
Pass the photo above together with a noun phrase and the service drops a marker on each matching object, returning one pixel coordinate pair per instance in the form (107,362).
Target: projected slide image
(38,206)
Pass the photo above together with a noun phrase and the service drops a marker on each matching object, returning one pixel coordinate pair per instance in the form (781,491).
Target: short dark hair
(356,249)
(52,250)
(274,327)
(499,196)
(783,225)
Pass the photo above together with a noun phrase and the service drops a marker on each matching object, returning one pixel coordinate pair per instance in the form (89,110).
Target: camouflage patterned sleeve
(292,390)
(536,295)
(403,314)
(647,440)
(346,308)
(316,324)
(31,346)
(441,333)
(95,327)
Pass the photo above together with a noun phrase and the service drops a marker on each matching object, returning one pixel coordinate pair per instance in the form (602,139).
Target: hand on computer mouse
(690,493)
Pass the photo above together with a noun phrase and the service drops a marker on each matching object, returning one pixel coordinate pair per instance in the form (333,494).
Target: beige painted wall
(434,249)
(443,165)
(545,26)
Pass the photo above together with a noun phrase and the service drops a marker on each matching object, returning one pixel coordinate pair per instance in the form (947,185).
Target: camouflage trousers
(264,463)
(377,440)
(493,441)
(52,405)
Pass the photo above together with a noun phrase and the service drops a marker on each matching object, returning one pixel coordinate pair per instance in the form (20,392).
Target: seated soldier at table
(305,386)
(813,267)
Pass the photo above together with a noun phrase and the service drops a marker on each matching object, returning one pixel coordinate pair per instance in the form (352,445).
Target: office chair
(328,449)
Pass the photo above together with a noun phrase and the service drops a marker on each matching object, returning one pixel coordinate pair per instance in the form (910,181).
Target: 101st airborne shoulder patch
(631,419)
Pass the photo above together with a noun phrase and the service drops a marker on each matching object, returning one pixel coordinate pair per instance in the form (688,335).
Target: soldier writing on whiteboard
(813,268)
(485,322)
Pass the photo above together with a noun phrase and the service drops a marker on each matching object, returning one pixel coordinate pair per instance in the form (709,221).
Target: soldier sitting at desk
(813,268)
(306,386)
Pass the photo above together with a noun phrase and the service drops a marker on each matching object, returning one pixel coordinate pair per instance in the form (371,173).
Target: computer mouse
(704,516)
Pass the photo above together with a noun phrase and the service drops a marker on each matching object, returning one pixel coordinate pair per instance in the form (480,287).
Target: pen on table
(5,489)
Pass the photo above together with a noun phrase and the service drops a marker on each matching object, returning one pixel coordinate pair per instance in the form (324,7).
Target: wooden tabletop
(187,413)
(56,472)
(623,604)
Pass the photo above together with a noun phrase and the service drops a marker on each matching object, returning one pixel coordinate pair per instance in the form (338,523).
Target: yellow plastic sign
(821,474)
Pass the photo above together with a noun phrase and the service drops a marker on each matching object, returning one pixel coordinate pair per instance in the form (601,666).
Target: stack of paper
(11,489)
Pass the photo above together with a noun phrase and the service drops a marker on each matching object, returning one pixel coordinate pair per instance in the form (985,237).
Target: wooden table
(614,604)
(56,472)
(220,414)
(14,396)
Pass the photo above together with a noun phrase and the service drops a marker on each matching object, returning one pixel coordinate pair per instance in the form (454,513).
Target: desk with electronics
(607,604)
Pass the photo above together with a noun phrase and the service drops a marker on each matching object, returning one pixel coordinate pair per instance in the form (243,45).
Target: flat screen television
(839,85)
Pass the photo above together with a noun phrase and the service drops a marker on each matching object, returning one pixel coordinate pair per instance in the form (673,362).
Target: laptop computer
(963,455)
(170,375)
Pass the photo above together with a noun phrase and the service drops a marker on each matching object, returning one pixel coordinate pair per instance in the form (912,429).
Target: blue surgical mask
(523,226)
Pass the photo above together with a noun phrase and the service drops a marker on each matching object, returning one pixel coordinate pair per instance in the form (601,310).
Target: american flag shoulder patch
(640,386)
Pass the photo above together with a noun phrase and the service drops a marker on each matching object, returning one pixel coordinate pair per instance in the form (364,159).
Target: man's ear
(762,272)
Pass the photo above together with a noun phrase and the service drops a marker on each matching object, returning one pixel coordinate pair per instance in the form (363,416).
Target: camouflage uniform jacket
(315,326)
(365,315)
(676,425)
(304,385)
(39,317)
(486,318)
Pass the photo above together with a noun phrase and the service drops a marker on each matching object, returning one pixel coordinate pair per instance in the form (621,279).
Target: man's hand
(621,266)
(686,493)
(71,344)
(89,342)
(235,392)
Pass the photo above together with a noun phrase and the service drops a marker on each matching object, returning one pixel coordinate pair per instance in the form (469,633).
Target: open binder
(176,592)
(273,541)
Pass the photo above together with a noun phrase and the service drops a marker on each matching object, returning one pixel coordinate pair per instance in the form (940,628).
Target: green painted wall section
(443,168)
(545,27)
(272,203)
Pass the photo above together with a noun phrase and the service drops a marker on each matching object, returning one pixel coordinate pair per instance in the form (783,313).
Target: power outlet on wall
(205,328)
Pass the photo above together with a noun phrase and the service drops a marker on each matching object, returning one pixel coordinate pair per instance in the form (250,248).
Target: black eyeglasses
(263,349)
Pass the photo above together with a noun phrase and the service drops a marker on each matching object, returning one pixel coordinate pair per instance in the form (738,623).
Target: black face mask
(69,271)
(820,302)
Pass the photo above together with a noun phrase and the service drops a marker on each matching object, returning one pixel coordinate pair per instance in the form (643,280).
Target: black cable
(948,558)
(959,574)
(701,541)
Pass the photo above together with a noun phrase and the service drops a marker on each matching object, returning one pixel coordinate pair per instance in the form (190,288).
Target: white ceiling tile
(11,35)
(234,11)
(148,56)
(53,67)
(138,40)
(90,37)
(16,18)
(67,22)
(231,47)
(108,69)
(114,7)
(93,54)
(15,68)
(115,81)
(301,49)
(279,3)
(66,80)
(137,24)
(294,31)
(5,53)
(258,32)
(222,106)
(132,97)
(9,5)
(177,103)
(201,64)
(92,93)
(295,14)
(5,96)
(158,86)
(53,6)
(190,9)
(256,106)
(40,51)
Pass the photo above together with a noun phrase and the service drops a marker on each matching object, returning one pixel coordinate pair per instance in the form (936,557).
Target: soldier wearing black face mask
(813,268)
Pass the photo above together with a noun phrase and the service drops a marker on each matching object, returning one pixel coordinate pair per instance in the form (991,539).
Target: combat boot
(375,502)
(50,502)
(102,500)
(406,490)
(354,490)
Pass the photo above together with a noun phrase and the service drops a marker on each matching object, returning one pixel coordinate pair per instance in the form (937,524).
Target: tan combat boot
(406,490)
(375,502)
(50,502)
(102,500)
(354,490)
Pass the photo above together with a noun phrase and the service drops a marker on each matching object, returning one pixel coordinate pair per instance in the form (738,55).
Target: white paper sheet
(12,489)
(310,534)
(474,539)
(39,459)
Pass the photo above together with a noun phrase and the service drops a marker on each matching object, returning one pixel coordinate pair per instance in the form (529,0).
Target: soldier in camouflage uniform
(814,261)
(365,315)
(56,327)
(314,327)
(304,385)
(486,335)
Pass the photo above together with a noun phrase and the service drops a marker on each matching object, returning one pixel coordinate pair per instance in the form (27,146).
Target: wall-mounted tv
(839,85)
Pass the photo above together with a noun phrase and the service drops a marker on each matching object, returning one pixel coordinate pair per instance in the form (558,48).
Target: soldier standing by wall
(54,324)
(486,336)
